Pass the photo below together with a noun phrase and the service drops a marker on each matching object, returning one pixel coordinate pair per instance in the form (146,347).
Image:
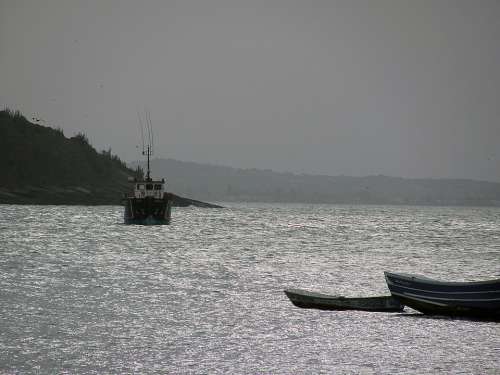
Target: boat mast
(149,150)
(148,174)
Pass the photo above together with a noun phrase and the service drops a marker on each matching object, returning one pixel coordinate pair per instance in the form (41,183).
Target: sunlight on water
(83,293)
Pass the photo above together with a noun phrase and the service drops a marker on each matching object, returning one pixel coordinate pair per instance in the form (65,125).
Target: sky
(351,87)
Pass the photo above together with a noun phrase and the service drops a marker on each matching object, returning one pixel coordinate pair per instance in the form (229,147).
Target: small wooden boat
(473,299)
(312,300)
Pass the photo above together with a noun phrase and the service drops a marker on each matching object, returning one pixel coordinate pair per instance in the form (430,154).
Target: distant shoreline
(77,196)
(40,165)
(8,198)
(228,184)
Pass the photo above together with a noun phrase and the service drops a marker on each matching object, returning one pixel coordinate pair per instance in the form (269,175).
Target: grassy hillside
(40,165)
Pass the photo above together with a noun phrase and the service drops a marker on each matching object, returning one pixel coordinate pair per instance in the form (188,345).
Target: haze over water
(354,87)
(83,293)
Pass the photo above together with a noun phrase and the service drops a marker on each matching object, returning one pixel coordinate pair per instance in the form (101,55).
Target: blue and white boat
(473,299)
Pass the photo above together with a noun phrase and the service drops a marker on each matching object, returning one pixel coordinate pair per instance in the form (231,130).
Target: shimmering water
(83,293)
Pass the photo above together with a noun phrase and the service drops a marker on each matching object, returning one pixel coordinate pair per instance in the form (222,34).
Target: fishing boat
(148,202)
(313,300)
(429,296)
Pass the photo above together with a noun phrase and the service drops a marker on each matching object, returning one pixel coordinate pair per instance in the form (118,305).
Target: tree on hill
(35,155)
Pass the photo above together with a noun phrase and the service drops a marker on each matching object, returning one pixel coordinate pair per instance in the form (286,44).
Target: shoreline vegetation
(41,166)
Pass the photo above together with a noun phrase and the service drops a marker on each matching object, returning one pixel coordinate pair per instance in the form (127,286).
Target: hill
(231,184)
(41,166)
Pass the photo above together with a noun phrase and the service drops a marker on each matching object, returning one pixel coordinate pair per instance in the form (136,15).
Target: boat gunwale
(429,281)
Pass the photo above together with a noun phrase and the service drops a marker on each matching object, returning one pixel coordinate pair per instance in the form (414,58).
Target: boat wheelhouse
(148,204)
(151,188)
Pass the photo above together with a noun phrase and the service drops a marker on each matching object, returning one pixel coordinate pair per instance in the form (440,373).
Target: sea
(82,293)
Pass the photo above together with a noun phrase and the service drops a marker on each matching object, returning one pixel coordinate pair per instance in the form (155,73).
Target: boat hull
(311,300)
(147,211)
(474,299)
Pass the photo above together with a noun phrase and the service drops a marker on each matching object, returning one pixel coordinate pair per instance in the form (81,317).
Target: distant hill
(39,165)
(230,184)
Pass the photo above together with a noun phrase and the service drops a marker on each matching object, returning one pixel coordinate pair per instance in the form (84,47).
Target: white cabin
(154,189)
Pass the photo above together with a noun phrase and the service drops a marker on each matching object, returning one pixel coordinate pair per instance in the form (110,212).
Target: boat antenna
(149,150)
(151,135)
(142,130)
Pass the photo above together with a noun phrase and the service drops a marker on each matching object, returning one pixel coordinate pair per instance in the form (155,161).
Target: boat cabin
(151,188)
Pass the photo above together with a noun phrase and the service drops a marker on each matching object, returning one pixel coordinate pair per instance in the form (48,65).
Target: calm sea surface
(82,293)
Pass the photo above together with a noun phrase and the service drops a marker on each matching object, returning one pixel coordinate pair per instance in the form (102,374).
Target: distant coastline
(41,166)
(227,184)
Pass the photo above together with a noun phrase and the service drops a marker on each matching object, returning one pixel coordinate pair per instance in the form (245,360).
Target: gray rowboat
(311,300)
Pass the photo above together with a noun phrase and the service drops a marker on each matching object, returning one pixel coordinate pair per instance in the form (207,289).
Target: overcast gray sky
(396,87)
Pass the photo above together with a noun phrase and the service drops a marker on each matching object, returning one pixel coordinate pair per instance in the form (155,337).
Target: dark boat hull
(474,299)
(311,300)
(147,211)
